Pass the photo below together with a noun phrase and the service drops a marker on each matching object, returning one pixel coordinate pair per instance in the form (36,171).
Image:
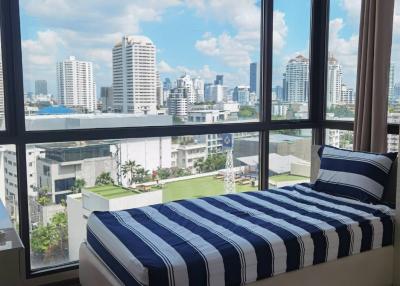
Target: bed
(241,239)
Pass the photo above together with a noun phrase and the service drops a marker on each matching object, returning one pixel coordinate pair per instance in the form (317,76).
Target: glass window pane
(9,181)
(139,63)
(289,157)
(339,138)
(290,78)
(75,178)
(342,61)
(394,75)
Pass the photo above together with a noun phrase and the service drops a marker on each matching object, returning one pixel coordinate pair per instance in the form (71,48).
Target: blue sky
(199,37)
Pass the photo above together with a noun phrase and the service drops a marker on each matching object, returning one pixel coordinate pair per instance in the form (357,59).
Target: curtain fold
(374,48)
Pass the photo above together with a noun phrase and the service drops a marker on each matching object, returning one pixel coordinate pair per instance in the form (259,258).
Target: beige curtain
(376,25)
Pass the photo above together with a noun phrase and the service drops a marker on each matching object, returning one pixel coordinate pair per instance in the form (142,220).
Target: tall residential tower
(75,84)
(135,76)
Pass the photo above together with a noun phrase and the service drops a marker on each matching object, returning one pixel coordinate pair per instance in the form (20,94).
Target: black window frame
(15,133)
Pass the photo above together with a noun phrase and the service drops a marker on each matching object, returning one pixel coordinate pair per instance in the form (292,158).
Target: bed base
(371,268)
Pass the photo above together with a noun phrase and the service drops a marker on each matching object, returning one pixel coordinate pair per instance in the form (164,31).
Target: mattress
(237,238)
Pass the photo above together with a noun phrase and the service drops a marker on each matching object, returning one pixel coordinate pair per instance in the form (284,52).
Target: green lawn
(287,178)
(199,187)
(112,192)
(194,188)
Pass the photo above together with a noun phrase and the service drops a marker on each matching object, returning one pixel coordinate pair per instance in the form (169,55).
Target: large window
(394,75)
(341,79)
(139,63)
(129,103)
(289,157)
(291,60)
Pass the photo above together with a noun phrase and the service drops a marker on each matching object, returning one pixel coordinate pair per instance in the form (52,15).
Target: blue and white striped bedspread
(235,239)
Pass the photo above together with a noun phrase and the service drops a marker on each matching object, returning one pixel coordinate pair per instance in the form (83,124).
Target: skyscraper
(186,82)
(254,78)
(241,94)
(134,75)
(334,82)
(106,97)
(178,102)
(219,79)
(198,87)
(297,79)
(75,84)
(41,87)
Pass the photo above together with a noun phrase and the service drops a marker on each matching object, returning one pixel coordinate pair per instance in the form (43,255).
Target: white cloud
(164,67)
(280,31)
(352,8)
(231,51)
(344,49)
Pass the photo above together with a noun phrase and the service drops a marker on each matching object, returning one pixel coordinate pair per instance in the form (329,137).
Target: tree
(164,173)
(142,175)
(104,179)
(211,163)
(50,241)
(44,197)
(129,169)
(247,112)
(78,186)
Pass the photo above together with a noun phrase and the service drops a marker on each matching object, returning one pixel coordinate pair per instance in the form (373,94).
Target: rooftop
(111,191)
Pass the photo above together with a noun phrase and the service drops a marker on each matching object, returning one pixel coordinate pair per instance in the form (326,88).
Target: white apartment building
(11,177)
(188,155)
(347,95)
(334,82)
(75,84)
(198,87)
(150,153)
(178,102)
(135,75)
(297,79)
(186,83)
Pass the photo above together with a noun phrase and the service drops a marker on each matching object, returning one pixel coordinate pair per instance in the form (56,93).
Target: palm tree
(78,186)
(129,169)
(142,175)
(104,179)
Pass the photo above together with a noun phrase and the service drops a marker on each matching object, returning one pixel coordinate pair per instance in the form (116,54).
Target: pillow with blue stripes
(357,175)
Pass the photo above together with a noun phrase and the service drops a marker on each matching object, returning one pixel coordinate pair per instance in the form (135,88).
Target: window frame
(17,135)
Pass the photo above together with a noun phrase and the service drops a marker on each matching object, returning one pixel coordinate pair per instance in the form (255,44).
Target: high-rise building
(219,79)
(254,78)
(167,85)
(334,82)
(241,94)
(135,76)
(75,84)
(284,88)
(106,97)
(397,92)
(186,82)
(159,91)
(279,93)
(347,96)
(198,87)
(178,102)
(41,87)
(297,78)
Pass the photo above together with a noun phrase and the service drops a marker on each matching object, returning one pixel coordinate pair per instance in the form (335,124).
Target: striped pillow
(356,175)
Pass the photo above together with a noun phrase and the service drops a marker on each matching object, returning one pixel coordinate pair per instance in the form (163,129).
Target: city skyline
(200,54)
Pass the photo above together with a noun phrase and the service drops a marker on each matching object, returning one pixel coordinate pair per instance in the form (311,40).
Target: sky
(199,37)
